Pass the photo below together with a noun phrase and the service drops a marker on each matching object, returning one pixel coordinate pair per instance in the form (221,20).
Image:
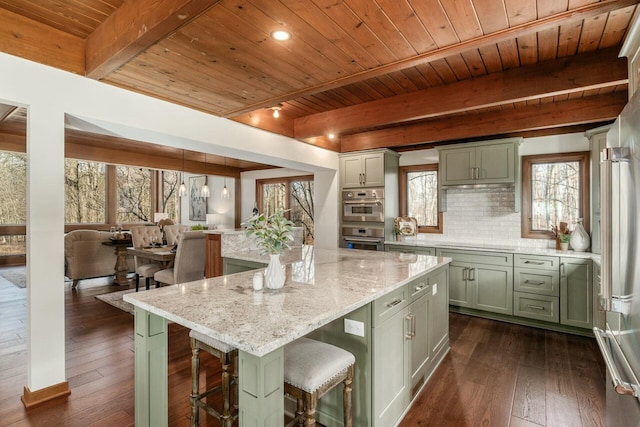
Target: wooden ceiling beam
(133,28)
(591,109)
(563,76)
(41,43)
(553,21)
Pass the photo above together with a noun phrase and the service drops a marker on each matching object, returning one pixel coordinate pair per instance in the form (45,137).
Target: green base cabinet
(480,280)
(408,249)
(576,292)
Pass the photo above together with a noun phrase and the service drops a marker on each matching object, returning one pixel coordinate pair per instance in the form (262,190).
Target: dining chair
(173,232)
(190,259)
(142,236)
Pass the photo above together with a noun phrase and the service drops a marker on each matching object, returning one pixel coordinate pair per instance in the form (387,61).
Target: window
(13,207)
(419,196)
(296,194)
(133,194)
(85,195)
(555,188)
(170,202)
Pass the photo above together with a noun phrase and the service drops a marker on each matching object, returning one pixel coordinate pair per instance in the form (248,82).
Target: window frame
(404,170)
(583,158)
(284,180)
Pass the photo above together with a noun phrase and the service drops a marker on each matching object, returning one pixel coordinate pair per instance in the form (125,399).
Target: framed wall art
(197,203)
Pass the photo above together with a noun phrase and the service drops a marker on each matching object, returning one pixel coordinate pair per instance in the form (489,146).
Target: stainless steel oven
(367,238)
(363,205)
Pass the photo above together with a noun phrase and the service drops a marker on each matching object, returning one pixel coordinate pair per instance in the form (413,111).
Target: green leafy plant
(197,227)
(272,233)
(564,238)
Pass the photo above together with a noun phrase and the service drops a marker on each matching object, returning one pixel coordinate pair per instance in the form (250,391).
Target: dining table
(164,254)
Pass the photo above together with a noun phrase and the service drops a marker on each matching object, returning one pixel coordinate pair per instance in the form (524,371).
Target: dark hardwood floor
(496,374)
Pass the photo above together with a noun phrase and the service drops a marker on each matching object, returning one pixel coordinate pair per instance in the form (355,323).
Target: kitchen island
(322,287)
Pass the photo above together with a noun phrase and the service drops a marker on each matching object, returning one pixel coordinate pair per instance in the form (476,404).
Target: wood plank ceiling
(403,74)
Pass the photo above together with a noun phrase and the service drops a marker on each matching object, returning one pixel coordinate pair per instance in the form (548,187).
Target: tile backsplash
(484,216)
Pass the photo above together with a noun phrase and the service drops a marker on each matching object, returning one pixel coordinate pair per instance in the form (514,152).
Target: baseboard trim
(33,398)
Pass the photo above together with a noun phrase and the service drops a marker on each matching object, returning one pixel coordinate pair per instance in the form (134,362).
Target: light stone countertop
(495,248)
(321,287)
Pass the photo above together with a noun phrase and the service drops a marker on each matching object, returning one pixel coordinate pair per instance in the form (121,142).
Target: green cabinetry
(234,265)
(480,280)
(414,321)
(576,292)
(418,250)
(536,287)
(362,170)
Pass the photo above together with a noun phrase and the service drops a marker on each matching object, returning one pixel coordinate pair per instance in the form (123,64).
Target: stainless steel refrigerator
(620,286)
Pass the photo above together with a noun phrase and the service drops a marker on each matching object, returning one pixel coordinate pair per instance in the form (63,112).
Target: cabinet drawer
(418,287)
(537,281)
(477,257)
(388,305)
(536,261)
(539,307)
(418,250)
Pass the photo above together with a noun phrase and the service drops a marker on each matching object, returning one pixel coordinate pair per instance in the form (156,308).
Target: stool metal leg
(195,383)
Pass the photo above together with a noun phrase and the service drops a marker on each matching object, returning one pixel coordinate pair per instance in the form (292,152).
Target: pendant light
(205,188)
(225,190)
(182,191)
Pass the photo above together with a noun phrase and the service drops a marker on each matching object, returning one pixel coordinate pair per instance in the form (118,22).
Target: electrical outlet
(354,327)
(434,289)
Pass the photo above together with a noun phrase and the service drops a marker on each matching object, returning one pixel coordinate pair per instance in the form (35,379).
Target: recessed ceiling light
(281,35)
(332,136)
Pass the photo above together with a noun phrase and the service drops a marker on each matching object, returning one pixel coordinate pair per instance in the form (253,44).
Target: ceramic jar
(580,240)
(274,274)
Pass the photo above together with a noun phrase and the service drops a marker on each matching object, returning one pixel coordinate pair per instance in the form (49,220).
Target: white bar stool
(226,354)
(311,369)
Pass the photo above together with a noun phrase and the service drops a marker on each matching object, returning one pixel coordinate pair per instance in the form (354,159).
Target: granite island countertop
(321,285)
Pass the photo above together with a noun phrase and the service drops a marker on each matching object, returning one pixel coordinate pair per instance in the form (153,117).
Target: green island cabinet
(413,321)
(405,337)
(480,280)
(367,168)
(234,265)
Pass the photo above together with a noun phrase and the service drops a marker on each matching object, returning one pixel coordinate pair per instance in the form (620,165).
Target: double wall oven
(363,219)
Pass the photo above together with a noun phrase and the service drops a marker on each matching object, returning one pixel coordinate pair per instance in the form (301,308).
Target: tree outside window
(419,196)
(554,189)
(85,195)
(294,194)
(170,202)
(13,204)
(133,194)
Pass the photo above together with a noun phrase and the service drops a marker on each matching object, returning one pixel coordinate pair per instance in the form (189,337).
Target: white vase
(274,274)
(579,240)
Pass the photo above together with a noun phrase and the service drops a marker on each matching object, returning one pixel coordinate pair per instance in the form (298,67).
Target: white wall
(53,96)
(215,203)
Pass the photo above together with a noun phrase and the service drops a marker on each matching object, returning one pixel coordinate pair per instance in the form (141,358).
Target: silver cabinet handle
(621,387)
(472,277)
(465,273)
(394,302)
(409,326)
(534,262)
(562,271)
(531,282)
(535,307)
(420,287)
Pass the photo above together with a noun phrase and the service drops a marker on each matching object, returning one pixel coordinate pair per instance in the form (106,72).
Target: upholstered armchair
(142,236)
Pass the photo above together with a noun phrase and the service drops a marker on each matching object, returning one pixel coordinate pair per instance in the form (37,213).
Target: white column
(327,210)
(45,241)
